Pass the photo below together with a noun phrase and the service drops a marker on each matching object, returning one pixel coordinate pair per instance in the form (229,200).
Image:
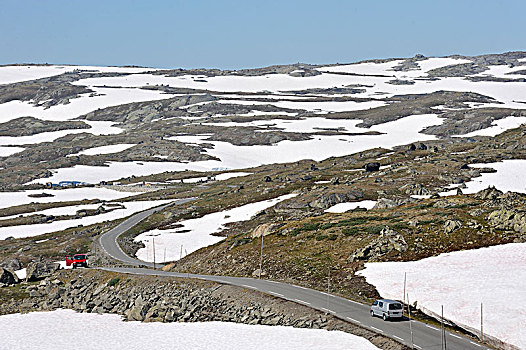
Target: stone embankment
(162,299)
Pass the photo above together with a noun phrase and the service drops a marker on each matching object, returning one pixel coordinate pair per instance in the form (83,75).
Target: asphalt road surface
(424,336)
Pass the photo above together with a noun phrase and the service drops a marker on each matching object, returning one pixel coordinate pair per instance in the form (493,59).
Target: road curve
(108,241)
(424,336)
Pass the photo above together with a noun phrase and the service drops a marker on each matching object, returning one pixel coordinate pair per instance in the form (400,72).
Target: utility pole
(328,288)
(153,244)
(181,253)
(481,323)
(261,257)
(410,323)
(403,304)
(443,347)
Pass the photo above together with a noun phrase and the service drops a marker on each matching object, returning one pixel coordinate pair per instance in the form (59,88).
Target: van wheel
(384,317)
(372,313)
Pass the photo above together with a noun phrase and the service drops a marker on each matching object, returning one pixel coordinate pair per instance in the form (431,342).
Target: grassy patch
(113,282)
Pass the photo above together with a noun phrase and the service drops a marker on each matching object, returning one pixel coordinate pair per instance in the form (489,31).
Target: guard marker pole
(261,257)
(328,288)
(410,323)
(403,304)
(153,243)
(481,323)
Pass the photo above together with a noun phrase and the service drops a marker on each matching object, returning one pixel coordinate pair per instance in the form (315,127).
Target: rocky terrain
(25,126)
(188,117)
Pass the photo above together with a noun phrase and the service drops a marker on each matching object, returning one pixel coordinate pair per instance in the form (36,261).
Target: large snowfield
(509,176)
(8,199)
(461,281)
(173,244)
(92,331)
(393,133)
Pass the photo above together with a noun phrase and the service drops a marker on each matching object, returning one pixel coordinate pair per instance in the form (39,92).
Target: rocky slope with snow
(382,160)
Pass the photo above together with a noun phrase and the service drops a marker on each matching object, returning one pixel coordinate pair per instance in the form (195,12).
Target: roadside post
(328,288)
(261,257)
(444,345)
(410,323)
(481,323)
(403,304)
(153,245)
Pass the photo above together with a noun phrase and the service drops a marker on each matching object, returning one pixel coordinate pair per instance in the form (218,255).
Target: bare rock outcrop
(389,242)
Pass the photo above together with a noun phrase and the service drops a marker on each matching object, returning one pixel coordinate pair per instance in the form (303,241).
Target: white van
(386,309)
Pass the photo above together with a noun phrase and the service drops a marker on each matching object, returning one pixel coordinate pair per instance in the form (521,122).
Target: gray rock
(328,200)
(508,219)
(11,264)
(415,189)
(384,203)
(39,270)
(389,242)
(375,166)
(8,277)
(489,193)
(452,225)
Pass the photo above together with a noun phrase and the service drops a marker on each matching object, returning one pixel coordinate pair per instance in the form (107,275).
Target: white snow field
(508,178)
(402,131)
(106,97)
(218,177)
(303,125)
(498,127)
(461,281)
(105,149)
(9,199)
(40,229)
(321,107)
(343,207)
(68,210)
(196,233)
(15,74)
(7,151)
(509,94)
(97,128)
(93,331)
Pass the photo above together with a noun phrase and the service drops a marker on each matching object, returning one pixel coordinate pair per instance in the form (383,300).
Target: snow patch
(61,328)
(59,225)
(105,149)
(196,233)
(460,281)
(498,127)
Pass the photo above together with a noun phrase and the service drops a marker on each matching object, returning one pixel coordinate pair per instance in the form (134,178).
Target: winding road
(424,336)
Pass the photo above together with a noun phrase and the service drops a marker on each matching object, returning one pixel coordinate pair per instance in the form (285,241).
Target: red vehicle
(77,260)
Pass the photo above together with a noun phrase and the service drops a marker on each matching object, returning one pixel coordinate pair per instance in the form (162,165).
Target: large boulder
(388,243)
(11,264)
(39,270)
(508,219)
(384,203)
(489,193)
(452,225)
(8,277)
(415,189)
(375,166)
(328,200)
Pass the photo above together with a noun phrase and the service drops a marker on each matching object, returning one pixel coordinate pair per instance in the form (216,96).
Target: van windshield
(395,306)
(80,257)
